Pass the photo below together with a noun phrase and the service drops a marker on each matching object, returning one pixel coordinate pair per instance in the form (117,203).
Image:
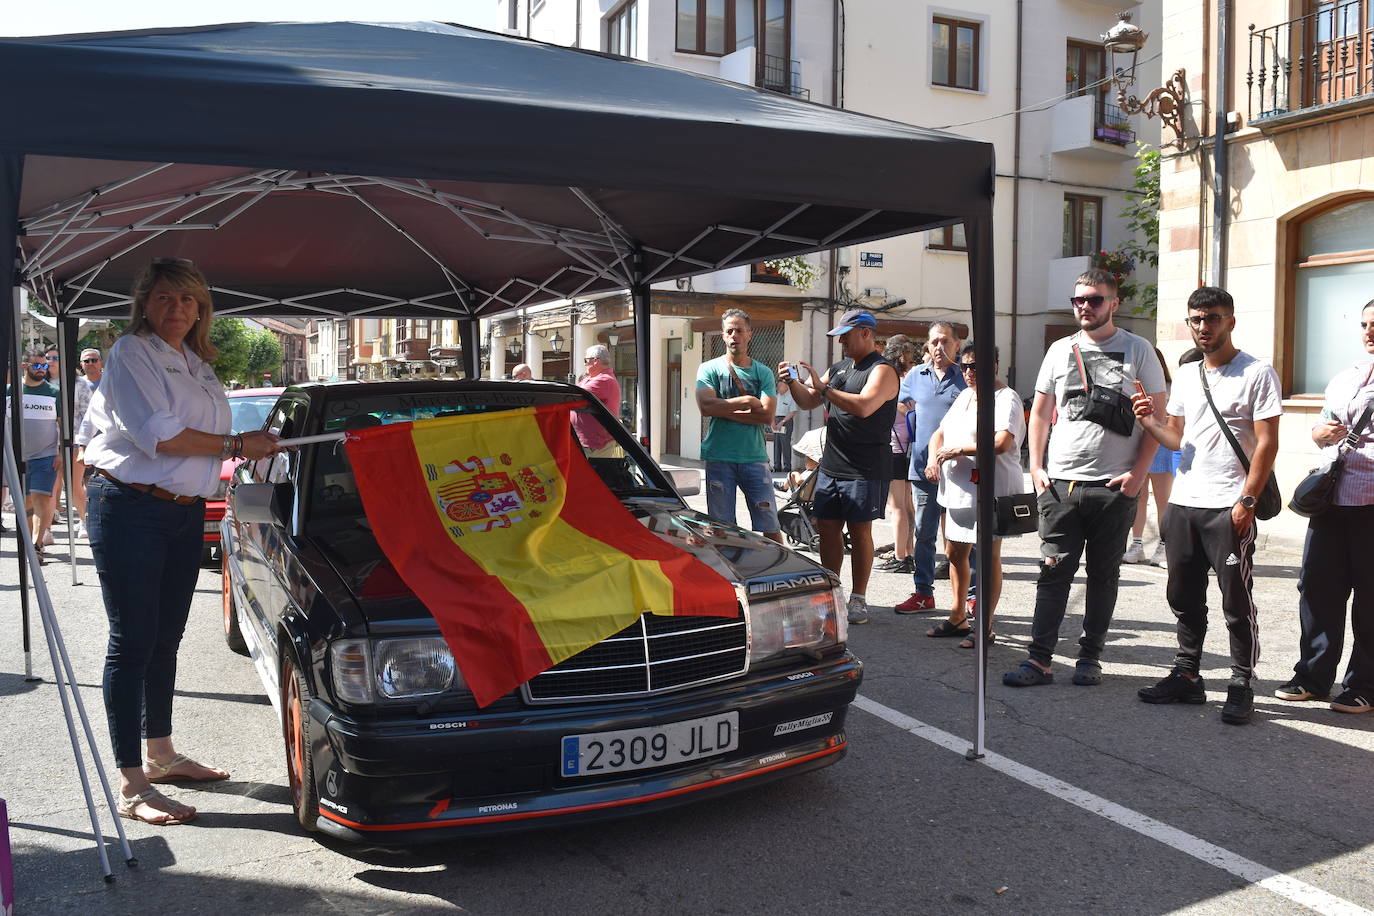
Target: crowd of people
(152,428)
(1107,424)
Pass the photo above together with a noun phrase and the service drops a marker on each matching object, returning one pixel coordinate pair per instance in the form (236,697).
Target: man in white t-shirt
(1211,519)
(1098,461)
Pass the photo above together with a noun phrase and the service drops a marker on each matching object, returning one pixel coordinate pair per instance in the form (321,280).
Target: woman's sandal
(128,807)
(967,642)
(162,773)
(945,629)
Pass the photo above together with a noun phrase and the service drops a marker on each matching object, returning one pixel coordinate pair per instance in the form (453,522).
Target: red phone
(1139,388)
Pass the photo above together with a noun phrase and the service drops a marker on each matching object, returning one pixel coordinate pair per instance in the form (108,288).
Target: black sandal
(945,629)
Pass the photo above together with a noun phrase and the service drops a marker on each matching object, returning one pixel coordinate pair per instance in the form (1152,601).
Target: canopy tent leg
(65,679)
(639,295)
(66,386)
(983,302)
(472,354)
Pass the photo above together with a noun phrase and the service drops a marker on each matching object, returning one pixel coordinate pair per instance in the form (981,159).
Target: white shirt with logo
(1245,390)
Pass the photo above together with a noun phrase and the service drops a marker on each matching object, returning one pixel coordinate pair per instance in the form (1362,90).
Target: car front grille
(653,655)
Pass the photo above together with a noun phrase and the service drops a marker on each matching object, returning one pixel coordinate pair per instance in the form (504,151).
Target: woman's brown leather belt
(151,489)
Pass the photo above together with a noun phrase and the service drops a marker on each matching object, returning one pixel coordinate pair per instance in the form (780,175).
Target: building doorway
(672,429)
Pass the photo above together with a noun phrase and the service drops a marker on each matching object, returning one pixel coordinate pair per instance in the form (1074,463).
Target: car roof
(250,392)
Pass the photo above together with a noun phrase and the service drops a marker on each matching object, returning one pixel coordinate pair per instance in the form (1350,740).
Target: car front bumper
(468,774)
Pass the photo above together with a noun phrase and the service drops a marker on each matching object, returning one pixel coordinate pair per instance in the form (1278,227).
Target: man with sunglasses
(600,380)
(1210,524)
(92,367)
(1098,461)
(38,440)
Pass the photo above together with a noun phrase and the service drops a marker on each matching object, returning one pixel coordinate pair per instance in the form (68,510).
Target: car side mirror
(687,481)
(258,504)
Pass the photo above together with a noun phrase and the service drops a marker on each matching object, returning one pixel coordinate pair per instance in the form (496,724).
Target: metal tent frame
(432,171)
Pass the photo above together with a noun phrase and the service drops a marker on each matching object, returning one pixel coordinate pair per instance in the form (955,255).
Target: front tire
(233,637)
(300,764)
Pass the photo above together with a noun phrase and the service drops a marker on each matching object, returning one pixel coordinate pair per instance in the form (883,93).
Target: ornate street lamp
(1123,42)
(556,341)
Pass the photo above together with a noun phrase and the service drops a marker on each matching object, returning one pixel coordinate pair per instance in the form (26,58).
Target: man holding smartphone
(1210,524)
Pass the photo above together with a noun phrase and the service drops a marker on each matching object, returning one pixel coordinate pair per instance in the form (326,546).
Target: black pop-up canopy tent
(428,170)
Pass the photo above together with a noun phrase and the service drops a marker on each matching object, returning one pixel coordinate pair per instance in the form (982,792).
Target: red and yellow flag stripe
(497,522)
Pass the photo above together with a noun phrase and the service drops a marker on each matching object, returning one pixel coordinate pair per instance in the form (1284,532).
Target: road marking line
(1299,892)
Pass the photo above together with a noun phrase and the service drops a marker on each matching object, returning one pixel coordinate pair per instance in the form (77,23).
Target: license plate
(653,746)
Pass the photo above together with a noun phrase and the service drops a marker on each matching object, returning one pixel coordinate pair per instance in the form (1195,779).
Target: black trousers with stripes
(1198,541)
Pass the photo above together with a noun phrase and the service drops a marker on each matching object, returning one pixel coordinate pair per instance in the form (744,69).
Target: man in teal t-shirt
(739,395)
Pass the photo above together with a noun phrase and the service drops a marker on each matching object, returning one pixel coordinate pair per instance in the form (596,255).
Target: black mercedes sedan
(383,741)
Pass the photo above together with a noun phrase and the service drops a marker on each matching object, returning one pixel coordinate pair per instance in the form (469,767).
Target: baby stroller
(794,517)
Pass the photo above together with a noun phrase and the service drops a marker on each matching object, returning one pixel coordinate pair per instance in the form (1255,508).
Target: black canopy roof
(430,170)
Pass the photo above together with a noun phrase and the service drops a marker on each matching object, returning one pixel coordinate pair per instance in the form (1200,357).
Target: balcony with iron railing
(1311,64)
(1088,127)
(778,74)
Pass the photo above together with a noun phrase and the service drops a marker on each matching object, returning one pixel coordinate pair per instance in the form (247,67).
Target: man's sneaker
(1353,701)
(81,533)
(942,569)
(1175,689)
(48,540)
(1158,558)
(1240,702)
(858,609)
(1295,691)
(1134,553)
(916,604)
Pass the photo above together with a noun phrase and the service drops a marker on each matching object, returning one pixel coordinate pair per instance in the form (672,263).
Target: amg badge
(789,584)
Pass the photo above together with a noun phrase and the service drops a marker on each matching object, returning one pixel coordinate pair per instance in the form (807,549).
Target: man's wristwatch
(1247,501)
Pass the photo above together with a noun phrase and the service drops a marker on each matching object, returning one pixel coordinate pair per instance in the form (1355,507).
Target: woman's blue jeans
(147,554)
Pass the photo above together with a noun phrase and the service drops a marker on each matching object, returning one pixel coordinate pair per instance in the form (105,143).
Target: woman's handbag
(1016,514)
(1317,491)
(1270,502)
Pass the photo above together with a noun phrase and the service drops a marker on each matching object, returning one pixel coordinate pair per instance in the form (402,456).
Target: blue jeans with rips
(754,481)
(147,555)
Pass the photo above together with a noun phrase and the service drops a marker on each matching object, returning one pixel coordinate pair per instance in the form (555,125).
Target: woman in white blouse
(160,424)
(951,464)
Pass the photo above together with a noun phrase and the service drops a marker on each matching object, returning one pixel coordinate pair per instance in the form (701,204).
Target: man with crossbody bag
(1336,569)
(1212,509)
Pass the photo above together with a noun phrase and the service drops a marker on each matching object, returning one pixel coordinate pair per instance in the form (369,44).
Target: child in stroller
(794,516)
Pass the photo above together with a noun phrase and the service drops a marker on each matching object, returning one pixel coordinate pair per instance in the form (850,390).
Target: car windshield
(248,413)
(334,495)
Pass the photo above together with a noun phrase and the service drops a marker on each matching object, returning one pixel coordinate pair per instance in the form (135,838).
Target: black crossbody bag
(1316,492)
(1270,502)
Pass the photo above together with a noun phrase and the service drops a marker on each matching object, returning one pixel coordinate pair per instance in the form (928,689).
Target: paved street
(1091,801)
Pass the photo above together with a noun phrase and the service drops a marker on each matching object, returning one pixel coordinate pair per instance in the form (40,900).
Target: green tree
(265,355)
(231,337)
(1142,217)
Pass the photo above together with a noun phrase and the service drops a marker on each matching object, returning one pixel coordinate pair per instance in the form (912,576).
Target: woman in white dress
(952,466)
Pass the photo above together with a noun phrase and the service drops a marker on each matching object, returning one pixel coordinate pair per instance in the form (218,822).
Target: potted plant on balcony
(1118,132)
(1120,265)
(1070,75)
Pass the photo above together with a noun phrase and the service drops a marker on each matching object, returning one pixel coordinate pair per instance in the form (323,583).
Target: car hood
(387,603)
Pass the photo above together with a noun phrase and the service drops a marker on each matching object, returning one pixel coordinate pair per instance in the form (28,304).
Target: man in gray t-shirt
(1098,461)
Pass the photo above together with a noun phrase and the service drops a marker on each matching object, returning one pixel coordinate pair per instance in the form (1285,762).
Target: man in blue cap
(860,396)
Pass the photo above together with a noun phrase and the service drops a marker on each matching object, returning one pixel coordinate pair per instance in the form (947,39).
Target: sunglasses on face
(93,359)
(1212,319)
(38,365)
(968,367)
(1366,325)
(1089,301)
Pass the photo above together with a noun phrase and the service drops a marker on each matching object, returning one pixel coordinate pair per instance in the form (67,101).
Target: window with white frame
(622,30)
(954,52)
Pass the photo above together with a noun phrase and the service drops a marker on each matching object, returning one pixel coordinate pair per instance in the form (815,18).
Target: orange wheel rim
(295,762)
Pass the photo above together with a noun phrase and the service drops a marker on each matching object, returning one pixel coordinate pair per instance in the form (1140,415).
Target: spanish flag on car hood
(500,526)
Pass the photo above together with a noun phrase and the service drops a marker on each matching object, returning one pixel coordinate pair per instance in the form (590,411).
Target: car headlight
(369,671)
(808,621)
